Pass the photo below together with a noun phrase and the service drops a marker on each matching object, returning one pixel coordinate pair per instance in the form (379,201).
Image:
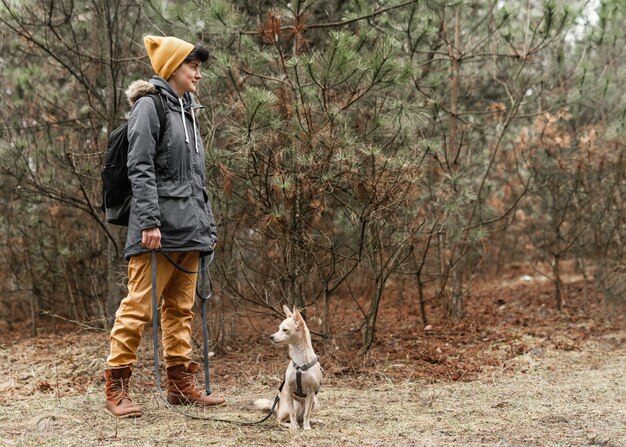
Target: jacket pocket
(178,211)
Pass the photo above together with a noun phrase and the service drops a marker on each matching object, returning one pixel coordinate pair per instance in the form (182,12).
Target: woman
(169,210)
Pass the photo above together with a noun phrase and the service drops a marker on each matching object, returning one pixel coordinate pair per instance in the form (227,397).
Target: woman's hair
(199,53)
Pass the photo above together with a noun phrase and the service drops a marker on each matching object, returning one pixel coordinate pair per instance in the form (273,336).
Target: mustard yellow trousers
(178,292)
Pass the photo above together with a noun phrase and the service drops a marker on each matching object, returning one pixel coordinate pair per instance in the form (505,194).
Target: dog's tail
(263,404)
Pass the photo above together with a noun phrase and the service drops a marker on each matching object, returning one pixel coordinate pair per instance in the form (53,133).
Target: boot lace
(187,385)
(120,388)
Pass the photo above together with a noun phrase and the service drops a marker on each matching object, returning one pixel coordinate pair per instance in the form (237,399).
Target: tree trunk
(420,294)
(454,300)
(455,309)
(326,314)
(443,274)
(34,306)
(369,335)
(453,143)
(558,285)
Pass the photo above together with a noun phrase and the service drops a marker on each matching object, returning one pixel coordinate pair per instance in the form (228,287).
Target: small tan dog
(303,377)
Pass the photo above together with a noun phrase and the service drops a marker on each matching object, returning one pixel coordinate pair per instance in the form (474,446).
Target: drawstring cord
(195,133)
(193,118)
(182,117)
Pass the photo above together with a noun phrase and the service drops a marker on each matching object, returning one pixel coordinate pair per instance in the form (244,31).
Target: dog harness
(299,369)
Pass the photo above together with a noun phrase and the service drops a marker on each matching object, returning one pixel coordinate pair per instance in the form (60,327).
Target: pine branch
(365,17)
(343,23)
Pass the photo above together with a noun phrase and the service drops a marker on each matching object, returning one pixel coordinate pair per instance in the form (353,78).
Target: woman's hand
(151,238)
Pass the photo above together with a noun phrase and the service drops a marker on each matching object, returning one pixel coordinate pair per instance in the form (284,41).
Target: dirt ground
(514,372)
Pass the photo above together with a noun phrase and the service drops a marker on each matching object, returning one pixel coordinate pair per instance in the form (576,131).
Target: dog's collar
(298,392)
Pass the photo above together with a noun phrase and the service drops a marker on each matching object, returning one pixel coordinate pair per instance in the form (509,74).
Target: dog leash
(155,343)
(178,266)
(205,297)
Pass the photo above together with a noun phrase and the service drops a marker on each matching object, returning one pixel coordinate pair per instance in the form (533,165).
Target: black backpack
(116,188)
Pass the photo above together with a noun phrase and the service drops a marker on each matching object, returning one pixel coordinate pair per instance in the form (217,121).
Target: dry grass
(51,394)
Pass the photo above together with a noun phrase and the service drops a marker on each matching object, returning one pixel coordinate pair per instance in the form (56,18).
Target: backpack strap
(158,102)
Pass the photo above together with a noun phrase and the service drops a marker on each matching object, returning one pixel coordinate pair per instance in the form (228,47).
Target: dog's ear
(287,311)
(297,316)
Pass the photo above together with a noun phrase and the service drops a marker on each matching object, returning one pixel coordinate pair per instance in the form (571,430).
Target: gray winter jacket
(168,182)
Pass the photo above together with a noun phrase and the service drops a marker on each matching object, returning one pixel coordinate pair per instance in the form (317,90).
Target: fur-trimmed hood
(138,89)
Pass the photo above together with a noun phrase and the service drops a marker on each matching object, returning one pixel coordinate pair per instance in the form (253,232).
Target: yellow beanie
(166,53)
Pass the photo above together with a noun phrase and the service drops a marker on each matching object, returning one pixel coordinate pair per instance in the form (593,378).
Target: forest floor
(513,372)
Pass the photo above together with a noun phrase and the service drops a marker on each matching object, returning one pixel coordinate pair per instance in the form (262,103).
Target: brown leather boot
(182,389)
(119,402)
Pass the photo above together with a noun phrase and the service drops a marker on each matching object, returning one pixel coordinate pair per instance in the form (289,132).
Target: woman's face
(186,77)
